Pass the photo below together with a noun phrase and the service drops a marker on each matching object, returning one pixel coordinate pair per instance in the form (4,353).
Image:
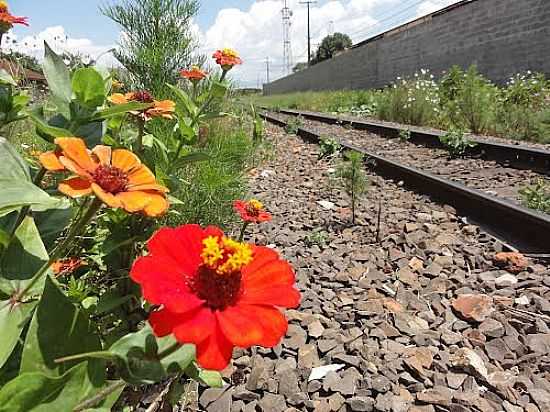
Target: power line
(308,3)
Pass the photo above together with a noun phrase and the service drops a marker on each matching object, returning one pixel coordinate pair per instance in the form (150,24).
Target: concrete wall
(502,37)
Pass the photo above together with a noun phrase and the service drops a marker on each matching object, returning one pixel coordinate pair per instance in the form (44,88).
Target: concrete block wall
(502,37)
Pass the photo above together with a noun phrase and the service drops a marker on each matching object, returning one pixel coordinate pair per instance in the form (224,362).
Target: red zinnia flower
(227,58)
(193,75)
(215,292)
(7,20)
(252,211)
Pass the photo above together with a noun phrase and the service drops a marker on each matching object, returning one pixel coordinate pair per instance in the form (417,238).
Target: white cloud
(59,41)
(430,6)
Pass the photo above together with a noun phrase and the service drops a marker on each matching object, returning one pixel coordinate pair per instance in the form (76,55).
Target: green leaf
(118,110)
(184,99)
(107,404)
(212,379)
(58,76)
(92,133)
(45,130)
(88,87)
(219,89)
(36,392)
(15,194)
(4,239)
(59,329)
(24,256)
(13,319)
(51,223)
(12,165)
(6,78)
(190,158)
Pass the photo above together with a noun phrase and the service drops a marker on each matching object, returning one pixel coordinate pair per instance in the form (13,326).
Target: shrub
(328,146)
(456,143)
(537,196)
(350,172)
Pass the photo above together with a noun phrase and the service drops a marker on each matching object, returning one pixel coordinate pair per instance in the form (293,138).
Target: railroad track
(521,228)
(521,157)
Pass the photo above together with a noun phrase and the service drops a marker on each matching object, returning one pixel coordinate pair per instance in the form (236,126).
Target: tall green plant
(355,180)
(158,41)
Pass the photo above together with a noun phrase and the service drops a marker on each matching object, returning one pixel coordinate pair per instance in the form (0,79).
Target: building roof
(20,73)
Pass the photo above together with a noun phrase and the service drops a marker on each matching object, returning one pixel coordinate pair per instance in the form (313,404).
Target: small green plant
(317,237)
(537,196)
(404,135)
(456,143)
(329,147)
(257,125)
(293,125)
(355,180)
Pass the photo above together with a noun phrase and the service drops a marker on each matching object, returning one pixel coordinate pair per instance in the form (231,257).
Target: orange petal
(50,161)
(153,186)
(133,201)
(75,149)
(107,198)
(75,187)
(141,176)
(73,167)
(103,154)
(117,98)
(125,160)
(158,205)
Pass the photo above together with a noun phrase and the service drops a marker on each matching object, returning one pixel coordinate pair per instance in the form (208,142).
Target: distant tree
(157,40)
(331,45)
(299,67)
(26,61)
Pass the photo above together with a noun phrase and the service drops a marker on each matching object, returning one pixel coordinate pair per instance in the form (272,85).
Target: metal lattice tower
(287,49)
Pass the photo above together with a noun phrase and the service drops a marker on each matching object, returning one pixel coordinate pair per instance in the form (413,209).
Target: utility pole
(287,49)
(267,68)
(309,3)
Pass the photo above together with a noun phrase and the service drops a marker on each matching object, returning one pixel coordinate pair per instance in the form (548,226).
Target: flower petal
(276,295)
(163,282)
(141,176)
(103,154)
(240,327)
(117,98)
(196,327)
(73,167)
(50,161)
(215,352)
(108,198)
(163,322)
(157,206)
(266,270)
(75,187)
(133,201)
(273,323)
(75,149)
(125,160)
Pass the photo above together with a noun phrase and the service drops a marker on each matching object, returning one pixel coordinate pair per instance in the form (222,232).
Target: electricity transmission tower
(287,49)
(309,3)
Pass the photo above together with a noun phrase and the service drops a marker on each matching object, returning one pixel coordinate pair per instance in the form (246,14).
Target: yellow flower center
(225,256)
(255,204)
(195,69)
(3,6)
(230,53)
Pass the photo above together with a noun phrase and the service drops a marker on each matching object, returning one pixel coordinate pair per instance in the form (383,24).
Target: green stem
(139,141)
(94,400)
(77,227)
(243,230)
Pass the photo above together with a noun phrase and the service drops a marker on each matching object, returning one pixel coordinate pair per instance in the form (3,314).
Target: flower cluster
(7,20)
(117,177)
(215,292)
(162,108)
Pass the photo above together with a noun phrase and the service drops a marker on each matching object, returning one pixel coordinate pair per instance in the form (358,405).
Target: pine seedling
(355,180)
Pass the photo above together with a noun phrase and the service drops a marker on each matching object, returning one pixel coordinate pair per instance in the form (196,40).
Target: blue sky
(253,27)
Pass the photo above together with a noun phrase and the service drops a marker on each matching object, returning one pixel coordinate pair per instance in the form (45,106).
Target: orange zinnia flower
(7,20)
(252,211)
(65,266)
(162,108)
(117,177)
(194,75)
(50,161)
(227,58)
(215,292)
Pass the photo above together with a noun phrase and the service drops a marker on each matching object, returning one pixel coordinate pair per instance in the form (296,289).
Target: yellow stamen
(225,255)
(230,52)
(256,204)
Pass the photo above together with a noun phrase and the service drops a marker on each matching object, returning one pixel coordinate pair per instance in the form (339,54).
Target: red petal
(215,352)
(240,327)
(182,245)
(273,323)
(278,295)
(163,322)
(262,256)
(196,327)
(270,273)
(163,283)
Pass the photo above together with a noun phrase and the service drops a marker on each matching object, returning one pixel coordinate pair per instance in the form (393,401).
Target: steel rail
(517,156)
(524,229)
